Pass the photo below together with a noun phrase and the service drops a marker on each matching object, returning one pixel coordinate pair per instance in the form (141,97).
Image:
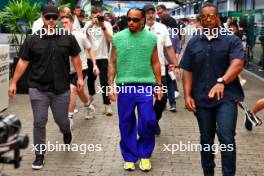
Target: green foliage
(18,17)
(69,3)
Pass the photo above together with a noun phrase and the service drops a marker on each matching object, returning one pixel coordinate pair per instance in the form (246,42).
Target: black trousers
(160,104)
(103,67)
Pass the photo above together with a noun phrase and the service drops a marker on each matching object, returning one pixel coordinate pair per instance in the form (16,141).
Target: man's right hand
(190,104)
(158,93)
(12,90)
(112,94)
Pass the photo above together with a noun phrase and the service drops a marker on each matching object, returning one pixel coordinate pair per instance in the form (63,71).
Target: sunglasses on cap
(135,20)
(210,16)
(54,17)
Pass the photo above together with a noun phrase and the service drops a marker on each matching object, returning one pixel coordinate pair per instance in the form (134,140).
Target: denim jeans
(222,120)
(172,87)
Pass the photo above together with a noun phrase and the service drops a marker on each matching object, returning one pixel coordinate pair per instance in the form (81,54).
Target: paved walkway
(176,128)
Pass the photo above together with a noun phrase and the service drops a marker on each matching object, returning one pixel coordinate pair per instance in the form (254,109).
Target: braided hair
(143,14)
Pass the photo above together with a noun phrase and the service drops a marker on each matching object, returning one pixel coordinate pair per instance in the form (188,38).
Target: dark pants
(172,87)
(222,120)
(133,148)
(160,104)
(40,103)
(103,67)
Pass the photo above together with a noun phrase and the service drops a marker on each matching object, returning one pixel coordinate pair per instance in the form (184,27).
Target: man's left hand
(217,91)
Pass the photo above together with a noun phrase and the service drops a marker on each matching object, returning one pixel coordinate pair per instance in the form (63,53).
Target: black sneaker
(173,108)
(248,124)
(38,163)
(67,138)
(158,131)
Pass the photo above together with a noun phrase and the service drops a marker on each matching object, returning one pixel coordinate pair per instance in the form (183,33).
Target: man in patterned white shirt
(164,40)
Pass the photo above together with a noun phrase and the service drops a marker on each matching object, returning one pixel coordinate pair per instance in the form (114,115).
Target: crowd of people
(137,50)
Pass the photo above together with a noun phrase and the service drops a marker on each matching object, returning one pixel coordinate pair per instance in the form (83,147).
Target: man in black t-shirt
(46,53)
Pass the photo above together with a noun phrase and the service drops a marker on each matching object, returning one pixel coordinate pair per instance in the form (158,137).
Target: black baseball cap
(148,7)
(50,10)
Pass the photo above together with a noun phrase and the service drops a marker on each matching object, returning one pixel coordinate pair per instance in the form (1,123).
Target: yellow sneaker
(145,164)
(129,166)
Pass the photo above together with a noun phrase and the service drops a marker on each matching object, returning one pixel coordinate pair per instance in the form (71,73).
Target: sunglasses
(54,17)
(210,16)
(135,20)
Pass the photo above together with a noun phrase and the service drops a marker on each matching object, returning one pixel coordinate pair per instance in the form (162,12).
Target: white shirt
(164,40)
(37,25)
(84,45)
(76,24)
(97,38)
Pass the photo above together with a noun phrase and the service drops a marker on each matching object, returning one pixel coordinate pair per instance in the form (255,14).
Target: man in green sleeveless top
(134,61)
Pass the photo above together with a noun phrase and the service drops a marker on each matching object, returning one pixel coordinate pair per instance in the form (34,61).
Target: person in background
(258,106)
(162,10)
(234,27)
(121,23)
(227,23)
(62,12)
(101,39)
(171,80)
(81,18)
(164,42)
(107,17)
(67,24)
(37,24)
(76,14)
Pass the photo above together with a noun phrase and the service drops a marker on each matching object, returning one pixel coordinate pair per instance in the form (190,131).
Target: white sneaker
(71,123)
(176,94)
(90,100)
(76,111)
(108,111)
(90,112)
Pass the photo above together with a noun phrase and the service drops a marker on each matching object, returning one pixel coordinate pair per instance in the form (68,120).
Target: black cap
(149,7)
(50,10)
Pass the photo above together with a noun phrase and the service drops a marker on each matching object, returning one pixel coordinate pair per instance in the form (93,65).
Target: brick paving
(103,130)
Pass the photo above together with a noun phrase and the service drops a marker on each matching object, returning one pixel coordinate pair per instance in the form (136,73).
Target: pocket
(197,56)
(220,59)
(35,94)
(220,53)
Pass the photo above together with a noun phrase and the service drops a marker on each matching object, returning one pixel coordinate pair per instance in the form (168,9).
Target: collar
(151,27)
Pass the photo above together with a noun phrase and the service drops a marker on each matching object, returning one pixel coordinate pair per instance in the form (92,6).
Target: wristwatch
(221,80)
